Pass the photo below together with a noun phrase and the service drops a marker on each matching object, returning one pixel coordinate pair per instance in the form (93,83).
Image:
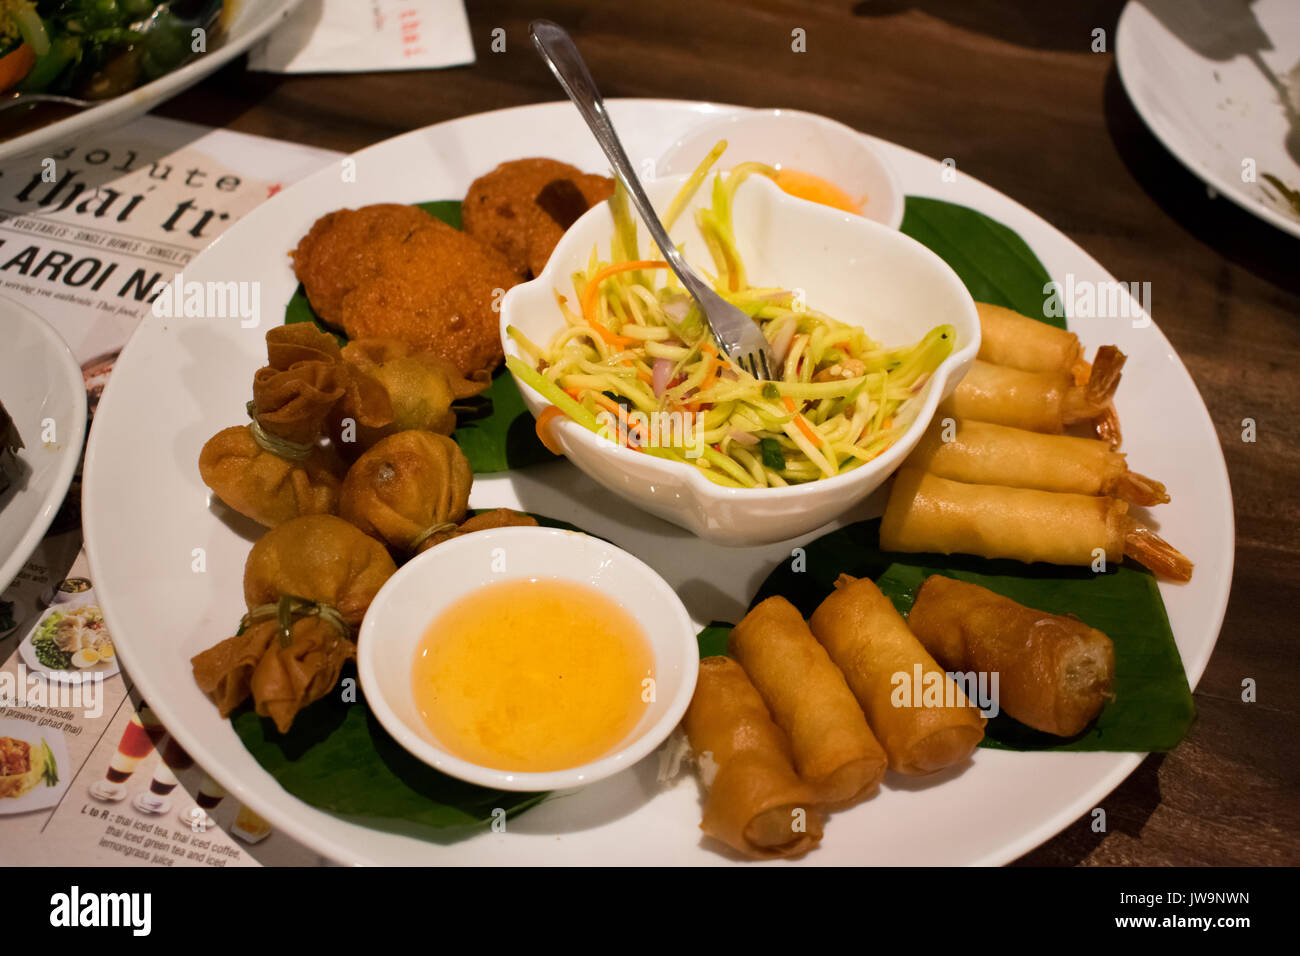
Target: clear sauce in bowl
(533,675)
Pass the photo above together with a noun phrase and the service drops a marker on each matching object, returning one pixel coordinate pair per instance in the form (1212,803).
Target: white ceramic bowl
(849,267)
(428,584)
(795,140)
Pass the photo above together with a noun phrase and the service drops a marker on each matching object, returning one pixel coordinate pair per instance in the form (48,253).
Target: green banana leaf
(338,757)
(1152,709)
(991,259)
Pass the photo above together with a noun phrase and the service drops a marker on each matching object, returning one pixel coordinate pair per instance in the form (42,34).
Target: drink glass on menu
(209,795)
(134,746)
(157,799)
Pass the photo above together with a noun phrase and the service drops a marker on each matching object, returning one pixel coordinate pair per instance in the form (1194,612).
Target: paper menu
(356,36)
(89,233)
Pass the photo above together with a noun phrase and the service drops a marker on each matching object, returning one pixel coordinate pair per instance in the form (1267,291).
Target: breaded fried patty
(339,253)
(522,208)
(434,290)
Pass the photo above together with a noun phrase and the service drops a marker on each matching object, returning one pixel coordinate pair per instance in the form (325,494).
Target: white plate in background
(40,383)
(1219,84)
(252,20)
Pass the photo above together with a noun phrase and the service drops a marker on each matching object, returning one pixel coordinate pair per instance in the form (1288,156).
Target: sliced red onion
(781,344)
(662,369)
(744,438)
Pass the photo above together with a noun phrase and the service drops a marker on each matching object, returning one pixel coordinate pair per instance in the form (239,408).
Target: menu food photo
(441,435)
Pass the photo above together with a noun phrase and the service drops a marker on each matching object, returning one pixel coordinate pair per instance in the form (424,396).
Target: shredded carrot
(808,431)
(593,286)
(574,393)
(543,426)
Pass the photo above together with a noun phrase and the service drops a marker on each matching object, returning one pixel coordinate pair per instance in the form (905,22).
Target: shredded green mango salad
(636,348)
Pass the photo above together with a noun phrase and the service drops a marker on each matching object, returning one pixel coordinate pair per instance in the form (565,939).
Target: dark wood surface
(1013,92)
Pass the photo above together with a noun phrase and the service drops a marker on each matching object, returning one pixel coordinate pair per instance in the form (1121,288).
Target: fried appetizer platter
(1055,672)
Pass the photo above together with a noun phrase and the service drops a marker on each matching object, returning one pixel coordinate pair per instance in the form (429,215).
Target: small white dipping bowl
(848,267)
(791,139)
(427,585)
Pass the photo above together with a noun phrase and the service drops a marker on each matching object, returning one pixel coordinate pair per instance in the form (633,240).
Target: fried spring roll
(1054,672)
(756,803)
(879,656)
(986,454)
(834,749)
(929,513)
(1037,401)
(1019,341)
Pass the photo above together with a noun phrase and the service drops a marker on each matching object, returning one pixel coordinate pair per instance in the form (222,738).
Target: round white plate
(168,569)
(70,674)
(253,19)
(1219,84)
(43,391)
(41,796)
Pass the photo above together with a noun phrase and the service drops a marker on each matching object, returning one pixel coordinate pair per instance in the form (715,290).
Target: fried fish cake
(341,251)
(434,291)
(522,208)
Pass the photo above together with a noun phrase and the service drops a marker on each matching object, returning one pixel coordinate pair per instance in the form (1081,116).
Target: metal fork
(738,336)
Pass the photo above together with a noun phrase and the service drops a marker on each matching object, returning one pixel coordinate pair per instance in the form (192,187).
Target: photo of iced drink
(158,797)
(152,725)
(174,756)
(134,746)
(209,795)
(249,827)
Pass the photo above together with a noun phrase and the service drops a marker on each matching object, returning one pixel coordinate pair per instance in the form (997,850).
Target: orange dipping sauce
(533,675)
(818,190)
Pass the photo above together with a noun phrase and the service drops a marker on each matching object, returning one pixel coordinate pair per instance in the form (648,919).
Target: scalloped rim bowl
(847,266)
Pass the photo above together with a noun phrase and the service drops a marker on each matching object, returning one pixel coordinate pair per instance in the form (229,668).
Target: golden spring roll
(880,658)
(1019,341)
(1037,401)
(834,749)
(929,513)
(986,454)
(756,803)
(1054,672)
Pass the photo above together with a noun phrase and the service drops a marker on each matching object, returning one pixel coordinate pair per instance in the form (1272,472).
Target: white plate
(146,512)
(40,383)
(71,674)
(253,19)
(40,796)
(1209,79)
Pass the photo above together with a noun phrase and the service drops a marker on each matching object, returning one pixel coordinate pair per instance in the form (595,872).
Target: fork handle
(561,55)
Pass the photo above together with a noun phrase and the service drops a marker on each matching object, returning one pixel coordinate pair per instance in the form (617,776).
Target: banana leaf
(1152,709)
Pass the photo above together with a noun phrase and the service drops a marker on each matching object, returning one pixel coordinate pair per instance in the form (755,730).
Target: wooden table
(1013,92)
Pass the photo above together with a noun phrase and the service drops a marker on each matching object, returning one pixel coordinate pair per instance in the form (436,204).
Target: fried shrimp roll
(929,513)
